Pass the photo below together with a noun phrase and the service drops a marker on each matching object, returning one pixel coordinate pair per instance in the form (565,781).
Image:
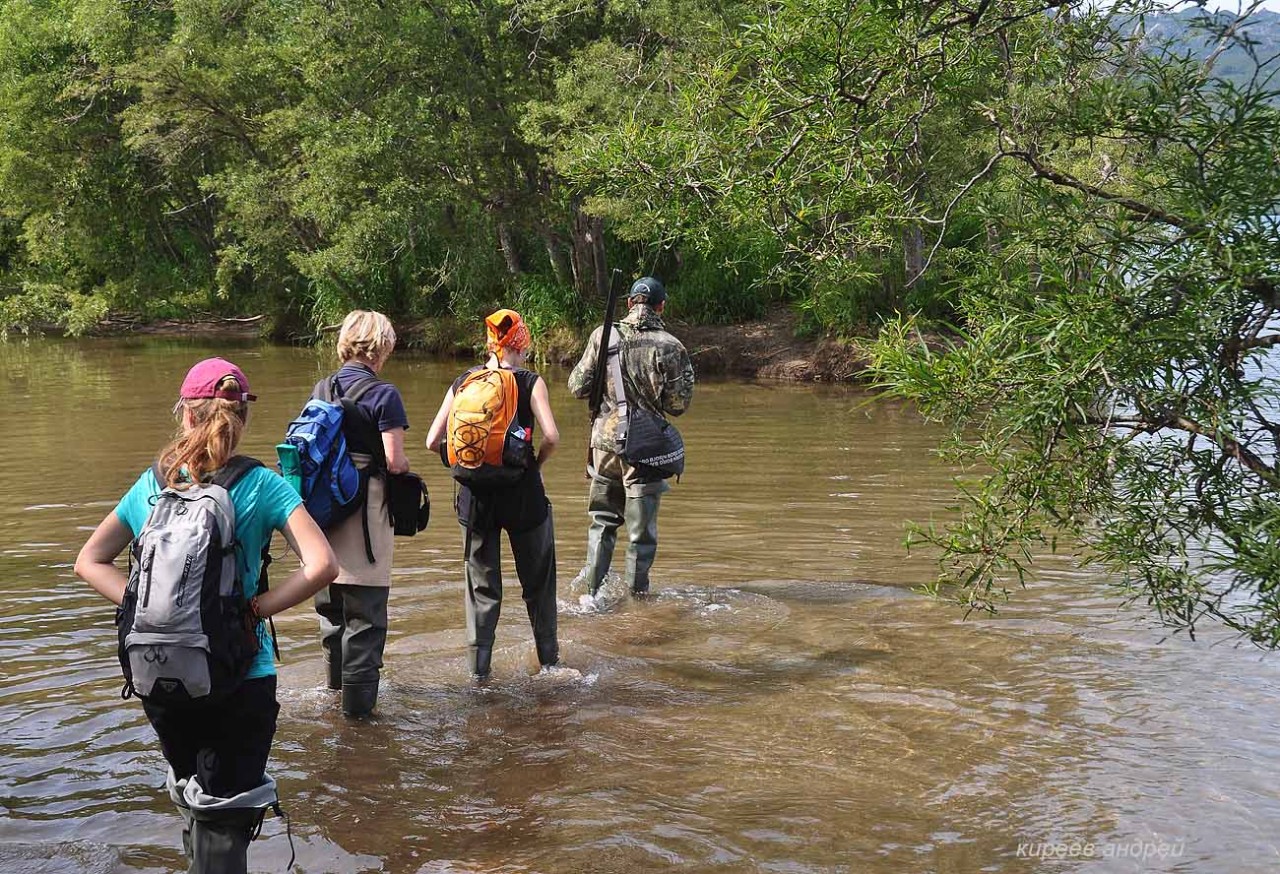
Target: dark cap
(650,289)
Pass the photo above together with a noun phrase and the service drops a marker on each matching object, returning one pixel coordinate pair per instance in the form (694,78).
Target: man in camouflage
(657,375)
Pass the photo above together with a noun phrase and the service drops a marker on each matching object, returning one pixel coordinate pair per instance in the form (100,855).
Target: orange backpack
(485,442)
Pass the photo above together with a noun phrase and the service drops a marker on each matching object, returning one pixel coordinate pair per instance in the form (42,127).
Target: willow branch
(1261,342)
(968,186)
(1231,447)
(1140,210)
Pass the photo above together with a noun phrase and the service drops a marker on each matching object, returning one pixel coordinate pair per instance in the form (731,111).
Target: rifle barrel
(596,399)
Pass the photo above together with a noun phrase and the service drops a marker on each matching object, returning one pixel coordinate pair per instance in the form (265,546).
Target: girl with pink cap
(217,748)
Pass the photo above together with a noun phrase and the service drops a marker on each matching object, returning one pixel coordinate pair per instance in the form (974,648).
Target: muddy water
(786,703)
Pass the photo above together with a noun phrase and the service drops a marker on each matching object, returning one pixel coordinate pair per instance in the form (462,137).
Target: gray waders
(353,632)
(535,558)
(610,507)
(217,830)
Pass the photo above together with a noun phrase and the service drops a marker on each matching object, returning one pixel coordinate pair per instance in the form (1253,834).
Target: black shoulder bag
(650,443)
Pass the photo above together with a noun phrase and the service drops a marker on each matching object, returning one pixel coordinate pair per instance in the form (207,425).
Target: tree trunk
(510,253)
(587,257)
(995,247)
(912,252)
(555,251)
(602,268)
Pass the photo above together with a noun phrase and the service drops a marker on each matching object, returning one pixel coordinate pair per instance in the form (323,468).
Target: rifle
(596,398)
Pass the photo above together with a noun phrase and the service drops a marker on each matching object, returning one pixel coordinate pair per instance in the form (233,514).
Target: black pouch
(653,444)
(408,503)
(517,452)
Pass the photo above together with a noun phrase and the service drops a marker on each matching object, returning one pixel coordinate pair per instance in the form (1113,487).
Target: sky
(1228,5)
(1273,5)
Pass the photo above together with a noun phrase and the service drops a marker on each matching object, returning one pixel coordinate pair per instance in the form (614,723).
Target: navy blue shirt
(382,406)
(382,402)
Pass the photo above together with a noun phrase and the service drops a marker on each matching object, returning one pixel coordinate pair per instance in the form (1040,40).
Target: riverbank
(771,349)
(768,348)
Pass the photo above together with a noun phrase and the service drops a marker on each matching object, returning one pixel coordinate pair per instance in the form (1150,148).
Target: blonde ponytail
(198,451)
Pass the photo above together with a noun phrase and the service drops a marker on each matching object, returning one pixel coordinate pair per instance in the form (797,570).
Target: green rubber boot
(359,699)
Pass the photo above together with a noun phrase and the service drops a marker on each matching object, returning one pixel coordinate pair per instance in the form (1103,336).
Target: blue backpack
(333,488)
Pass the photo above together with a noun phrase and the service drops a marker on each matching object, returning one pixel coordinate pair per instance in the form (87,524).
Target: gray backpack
(185,631)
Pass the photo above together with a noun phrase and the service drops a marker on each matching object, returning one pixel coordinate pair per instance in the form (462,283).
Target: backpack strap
(323,390)
(227,476)
(263,585)
(361,386)
(525,381)
(234,470)
(351,410)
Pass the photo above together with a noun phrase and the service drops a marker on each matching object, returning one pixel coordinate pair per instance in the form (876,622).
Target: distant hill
(1185,29)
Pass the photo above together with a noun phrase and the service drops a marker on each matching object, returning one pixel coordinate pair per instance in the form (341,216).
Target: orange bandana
(506,330)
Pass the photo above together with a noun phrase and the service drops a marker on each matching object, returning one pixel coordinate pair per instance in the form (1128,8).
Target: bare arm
(96,562)
(546,421)
(319,566)
(393,446)
(435,436)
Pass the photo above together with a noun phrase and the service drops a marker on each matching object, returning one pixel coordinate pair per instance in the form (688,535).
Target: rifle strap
(619,390)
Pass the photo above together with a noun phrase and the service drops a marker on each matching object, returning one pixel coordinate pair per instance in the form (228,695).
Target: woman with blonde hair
(504,492)
(216,736)
(353,610)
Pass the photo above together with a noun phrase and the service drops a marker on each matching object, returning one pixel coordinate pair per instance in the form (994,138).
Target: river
(786,702)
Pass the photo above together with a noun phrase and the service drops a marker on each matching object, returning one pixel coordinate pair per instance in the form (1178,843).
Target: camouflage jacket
(656,372)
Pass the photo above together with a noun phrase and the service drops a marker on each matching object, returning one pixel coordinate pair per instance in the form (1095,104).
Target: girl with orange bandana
(485,431)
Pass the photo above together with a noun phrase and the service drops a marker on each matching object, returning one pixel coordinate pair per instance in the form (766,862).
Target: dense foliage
(173,157)
(180,157)
(1084,195)
(1093,207)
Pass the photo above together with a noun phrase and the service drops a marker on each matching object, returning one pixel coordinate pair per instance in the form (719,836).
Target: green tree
(82,229)
(1115,371)
(832,129)
(1096,211)
(298,158)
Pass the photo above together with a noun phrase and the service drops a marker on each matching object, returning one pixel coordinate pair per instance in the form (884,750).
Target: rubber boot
(479,657)
(605,504)
(222,828)
(333,662)
(359,699)
(220,840)
(642,531)
(548,652)
(176,789)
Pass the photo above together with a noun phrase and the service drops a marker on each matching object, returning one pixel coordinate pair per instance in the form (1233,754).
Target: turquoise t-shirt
(263,502)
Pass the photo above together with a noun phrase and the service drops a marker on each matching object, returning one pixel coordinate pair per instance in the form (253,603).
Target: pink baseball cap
(202,381)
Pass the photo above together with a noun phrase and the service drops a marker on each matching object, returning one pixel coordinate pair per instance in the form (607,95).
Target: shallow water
(785,703)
